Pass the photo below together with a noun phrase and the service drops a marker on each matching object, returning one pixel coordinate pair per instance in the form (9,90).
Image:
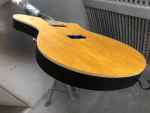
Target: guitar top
(74,48)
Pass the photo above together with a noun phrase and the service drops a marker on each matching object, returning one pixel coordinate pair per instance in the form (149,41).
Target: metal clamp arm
(31,10)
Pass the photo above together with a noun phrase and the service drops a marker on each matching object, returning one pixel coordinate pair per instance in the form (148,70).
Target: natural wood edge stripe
(84,72)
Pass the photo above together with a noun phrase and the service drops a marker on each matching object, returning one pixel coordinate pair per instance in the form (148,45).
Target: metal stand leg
(53,88)
(72,98)
(73,92)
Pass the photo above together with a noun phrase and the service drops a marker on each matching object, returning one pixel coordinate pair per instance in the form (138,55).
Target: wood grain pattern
(95,55)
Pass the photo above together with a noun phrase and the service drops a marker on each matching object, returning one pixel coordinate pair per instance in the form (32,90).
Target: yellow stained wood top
(96,55)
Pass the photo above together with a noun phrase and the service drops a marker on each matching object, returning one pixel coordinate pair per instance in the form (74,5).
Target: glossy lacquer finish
(95,62)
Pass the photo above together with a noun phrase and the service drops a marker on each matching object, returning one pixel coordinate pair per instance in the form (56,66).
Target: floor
(129,100)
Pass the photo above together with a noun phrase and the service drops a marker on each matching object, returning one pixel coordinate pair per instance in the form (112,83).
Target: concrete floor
(129,100)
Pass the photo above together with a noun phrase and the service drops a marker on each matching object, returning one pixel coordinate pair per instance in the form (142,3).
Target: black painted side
(75,78)
(82,80)
(25,28)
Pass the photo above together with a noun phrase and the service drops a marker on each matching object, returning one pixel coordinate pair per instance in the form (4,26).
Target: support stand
(73,92)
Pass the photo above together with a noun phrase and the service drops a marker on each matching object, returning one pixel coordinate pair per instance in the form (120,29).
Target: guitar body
(81,58)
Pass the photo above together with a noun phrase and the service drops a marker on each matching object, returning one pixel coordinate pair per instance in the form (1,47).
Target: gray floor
(129,100)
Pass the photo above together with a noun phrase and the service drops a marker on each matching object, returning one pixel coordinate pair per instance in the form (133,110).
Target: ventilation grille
(127,29)
(135,2)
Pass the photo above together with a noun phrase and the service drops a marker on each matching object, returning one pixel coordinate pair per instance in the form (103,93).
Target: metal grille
(131,30)
(135,2)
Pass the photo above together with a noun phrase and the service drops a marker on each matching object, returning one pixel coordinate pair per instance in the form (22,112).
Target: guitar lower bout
(78,57)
